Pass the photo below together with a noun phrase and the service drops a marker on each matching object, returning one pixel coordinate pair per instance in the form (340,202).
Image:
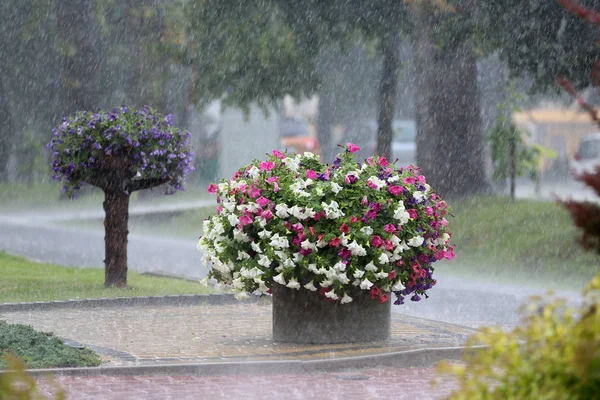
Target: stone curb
(174,300)
(417,358)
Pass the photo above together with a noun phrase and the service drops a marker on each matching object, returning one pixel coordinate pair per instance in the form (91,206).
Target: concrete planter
(302,316)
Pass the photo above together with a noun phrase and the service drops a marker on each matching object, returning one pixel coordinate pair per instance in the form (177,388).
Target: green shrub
(555,354)
(41,350)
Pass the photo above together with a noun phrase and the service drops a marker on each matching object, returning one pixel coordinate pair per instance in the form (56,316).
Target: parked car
(404,145)
(295,137)
(587,158)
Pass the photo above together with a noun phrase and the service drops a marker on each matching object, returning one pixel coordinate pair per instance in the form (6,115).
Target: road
(34,236)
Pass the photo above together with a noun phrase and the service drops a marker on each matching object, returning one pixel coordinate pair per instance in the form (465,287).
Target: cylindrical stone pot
(302,316)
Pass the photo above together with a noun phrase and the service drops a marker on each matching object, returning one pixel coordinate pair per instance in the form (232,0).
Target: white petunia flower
(319,192)
(281,210)
(264,261)
(310,286)
(339,266)
(416,241)
(371,267)
(233,219)
(367,230)
(253,172)
(307,245)
(332,295)
(293,284)
(237,283)
(280,279)
(394,178)
(264,234)
(358,274)
(419,196)
(241,295)
(240,236)
(346,299)
(256,247)
(326,283)
(381,275)
(335,188)
(366,284)
(242,255)
(356,249)
(313,268)
(398,286)
(343,278)
(402,215)
(383,259)
(289,263)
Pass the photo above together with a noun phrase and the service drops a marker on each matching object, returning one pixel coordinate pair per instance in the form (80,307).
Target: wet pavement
(202,333)
(366,384)
(201,351)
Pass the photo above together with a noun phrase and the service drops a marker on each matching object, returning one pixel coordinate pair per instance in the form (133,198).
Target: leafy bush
(555,354)
(41,350)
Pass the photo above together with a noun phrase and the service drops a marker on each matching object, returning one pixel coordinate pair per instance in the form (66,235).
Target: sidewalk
(227,349)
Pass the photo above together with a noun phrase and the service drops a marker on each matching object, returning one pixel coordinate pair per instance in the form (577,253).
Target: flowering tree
(119,151)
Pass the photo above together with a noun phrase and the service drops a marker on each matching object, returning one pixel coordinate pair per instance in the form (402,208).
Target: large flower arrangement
(294,221)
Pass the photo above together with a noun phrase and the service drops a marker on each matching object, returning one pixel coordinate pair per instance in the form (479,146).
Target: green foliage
(23,280)
(244,51)
(41,350)
(539,40)
(527,158)
(17,384)
(555,354)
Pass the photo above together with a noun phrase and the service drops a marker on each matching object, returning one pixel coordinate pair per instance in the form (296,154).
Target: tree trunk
(6,132)
(116,209)
(450,147)
(388,88)
(325,121)
(512,154)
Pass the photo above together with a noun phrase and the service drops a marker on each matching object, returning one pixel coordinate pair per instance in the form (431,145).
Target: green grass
(21,197)
(525,241)
(41,350)
(23,281)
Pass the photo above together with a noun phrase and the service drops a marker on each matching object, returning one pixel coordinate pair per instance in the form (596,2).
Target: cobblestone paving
(389,383)
(203,333)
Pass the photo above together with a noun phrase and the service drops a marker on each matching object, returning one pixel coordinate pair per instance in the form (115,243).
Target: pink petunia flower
(383,298)
(278,154)
(352,148)
(421,179)
(375,292)
(245,220)
(429,211)
(219,209)
(410,180)
(383,161)
(254,192)
(212,188)
(392,275)
(376,241)
(389,228)
(263,201)
(353,219)
(310,174)
(335,242)
(345,228)
(267,165)
(267,214)
(364,201)
(412,213)
(396,190)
